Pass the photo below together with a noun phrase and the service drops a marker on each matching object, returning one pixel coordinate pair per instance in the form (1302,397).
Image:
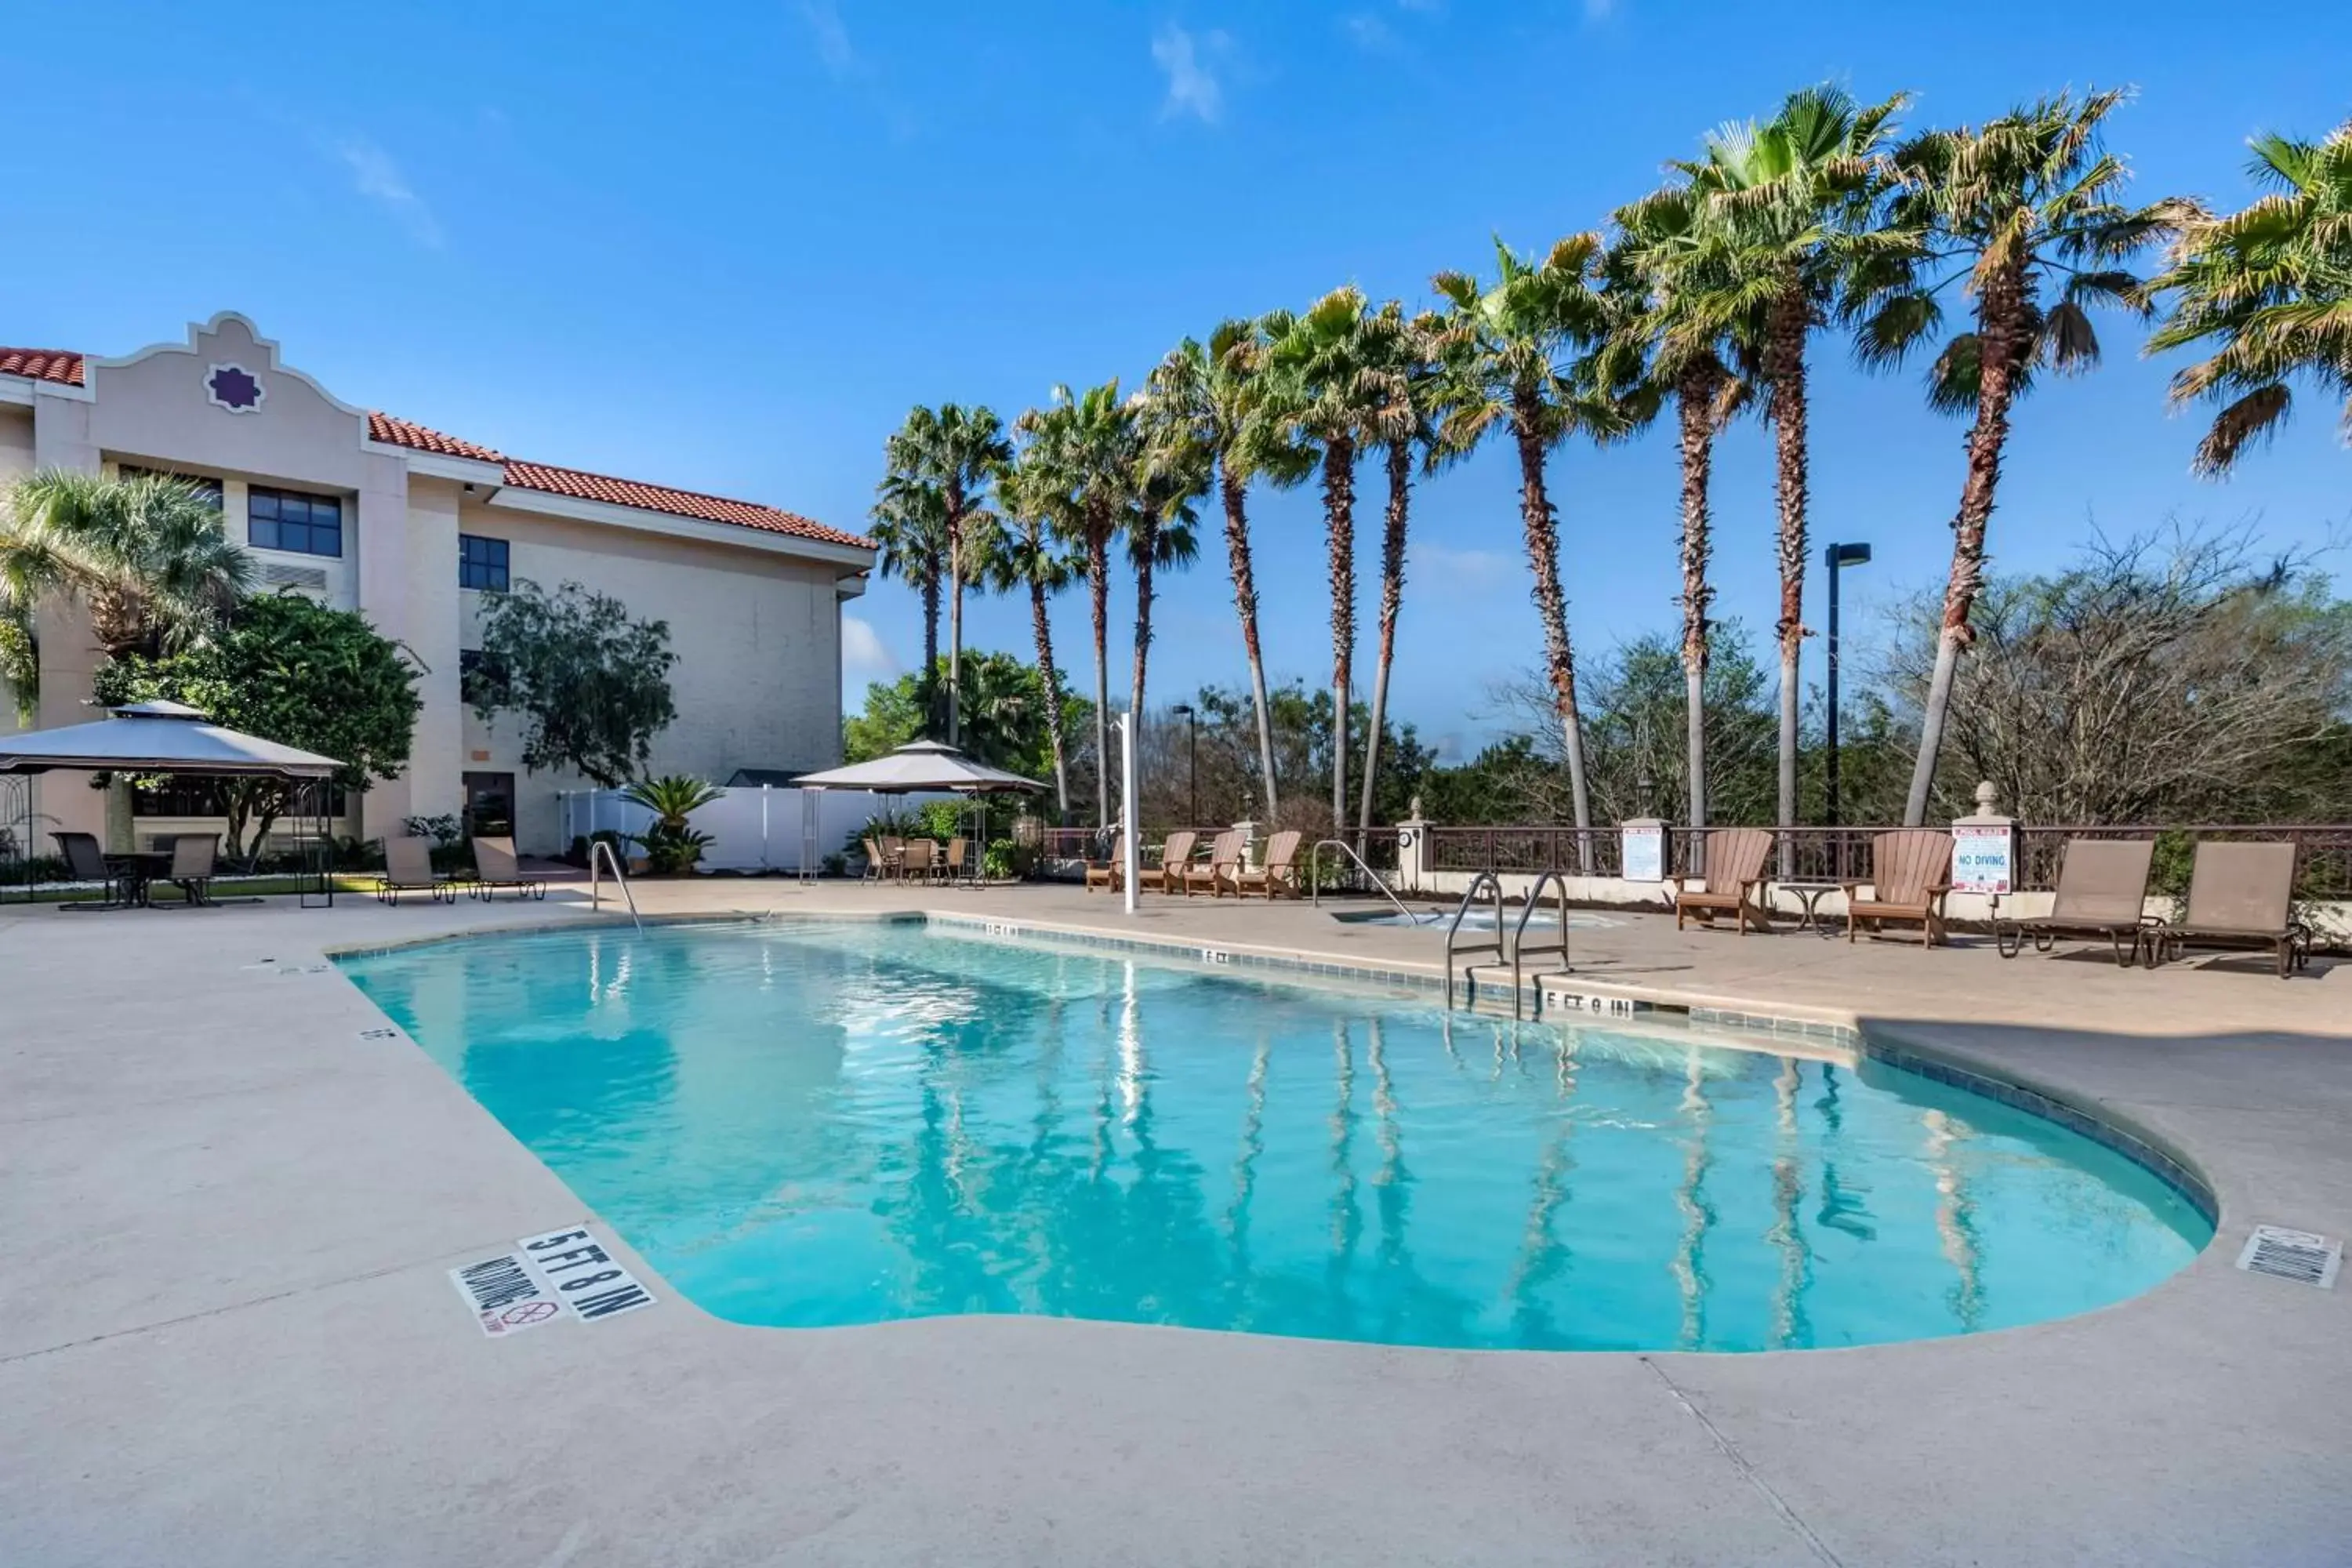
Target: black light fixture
(1835,559)
(1192,746)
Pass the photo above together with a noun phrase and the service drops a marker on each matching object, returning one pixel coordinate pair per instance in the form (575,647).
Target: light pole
(1836,558)
(1192,749)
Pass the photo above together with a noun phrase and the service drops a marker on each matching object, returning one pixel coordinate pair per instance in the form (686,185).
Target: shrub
(672,844)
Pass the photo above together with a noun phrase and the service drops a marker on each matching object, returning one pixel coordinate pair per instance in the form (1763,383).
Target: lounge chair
(2239,895)
(2102,891)
(85,862)
(1108,876)
(193,855)
(1222,869)
(408,869)
(1168,877)
(1910,872)
(1733,882)
(495,867)
(1279,875)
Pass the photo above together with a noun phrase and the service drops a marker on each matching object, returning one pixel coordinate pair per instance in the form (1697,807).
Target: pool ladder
(1514,951)
(601,854)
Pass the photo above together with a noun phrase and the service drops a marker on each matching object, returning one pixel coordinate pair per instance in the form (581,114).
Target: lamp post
(1192,749)
(1835,559)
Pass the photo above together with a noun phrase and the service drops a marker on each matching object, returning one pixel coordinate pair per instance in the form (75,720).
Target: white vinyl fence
(755,828)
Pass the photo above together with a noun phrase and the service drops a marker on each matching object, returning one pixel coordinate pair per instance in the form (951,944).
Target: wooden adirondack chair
(1168,877)
(1224,869)
(1280,877)
(1734,879)
(1911,871)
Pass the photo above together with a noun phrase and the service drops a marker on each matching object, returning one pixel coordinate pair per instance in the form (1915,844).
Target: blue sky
(729,255)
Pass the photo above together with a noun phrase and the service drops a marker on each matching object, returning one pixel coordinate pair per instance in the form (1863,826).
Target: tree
(2023,212)
(147,558)
(1006,720)
(2268,291)
(957,452)
(288,669)
(592,684)
(911,527)
(1218,389)
(1086,448)
(1788,210)
(1172,470)
(1518,358)
(673,844)
(1683,354)
(1024,555)
(1228,759)
(1318,391)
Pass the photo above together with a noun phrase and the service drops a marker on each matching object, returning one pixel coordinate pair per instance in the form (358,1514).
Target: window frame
(309,524)
(501,567)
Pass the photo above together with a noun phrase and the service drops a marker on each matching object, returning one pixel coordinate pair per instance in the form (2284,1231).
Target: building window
(202,484)
(285,519)
(481,677)
(481,563)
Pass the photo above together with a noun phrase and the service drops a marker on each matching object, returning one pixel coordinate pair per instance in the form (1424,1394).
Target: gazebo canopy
(158,738)
(916,767)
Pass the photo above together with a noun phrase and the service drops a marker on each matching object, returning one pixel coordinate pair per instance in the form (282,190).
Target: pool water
(849,1124)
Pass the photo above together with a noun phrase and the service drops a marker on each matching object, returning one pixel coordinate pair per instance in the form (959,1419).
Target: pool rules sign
(561,1274)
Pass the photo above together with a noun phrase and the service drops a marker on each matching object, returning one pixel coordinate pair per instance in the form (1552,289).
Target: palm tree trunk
(1997,326)
(1145,544)
(927,687)
(1551,608)
(1696,407)
(1046,672)
(955,636)
(1237,547)
(1340,528)
(1400,466)
(1785,344)
(1098,589)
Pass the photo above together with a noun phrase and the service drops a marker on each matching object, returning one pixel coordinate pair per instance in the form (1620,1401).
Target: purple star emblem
(235,388)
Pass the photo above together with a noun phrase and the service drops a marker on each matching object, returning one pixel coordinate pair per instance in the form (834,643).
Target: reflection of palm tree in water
(1542,1257)
(1392,1186)
(1956,1219)
(1791,1328)
(1347,1211)
(1699,1213)
(1237,1213)
(1840,1210)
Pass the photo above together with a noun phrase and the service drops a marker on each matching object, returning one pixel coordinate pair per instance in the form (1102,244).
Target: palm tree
(2022,213)
(1688,359)
(147,559)
(1086,448)
(1518,358)
(1172,471)
(1023,556)
(1787,210)
(1217,389)
(2271,288)
(1401,370)
(1318,390)
(958,452)
(909,524)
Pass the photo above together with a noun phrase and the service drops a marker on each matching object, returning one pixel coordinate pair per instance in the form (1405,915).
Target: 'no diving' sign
(563,1273)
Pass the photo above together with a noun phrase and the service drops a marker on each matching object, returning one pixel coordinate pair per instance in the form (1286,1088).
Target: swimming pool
(849,1124)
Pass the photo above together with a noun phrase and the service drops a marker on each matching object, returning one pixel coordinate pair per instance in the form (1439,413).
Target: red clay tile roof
(61,365)
(66,367)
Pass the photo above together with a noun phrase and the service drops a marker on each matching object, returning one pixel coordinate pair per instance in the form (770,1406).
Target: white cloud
(375,176)
(1193,86)
(1447,569)
(833,47)
(1370,32)
(864,658)
(1600,10)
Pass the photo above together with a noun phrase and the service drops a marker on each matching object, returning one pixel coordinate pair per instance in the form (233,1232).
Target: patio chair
(85,862)
(875,865)
(1733,882)
(1223,869)
(408,869)
(1108,874)
(1279,875)
(1168,877)
(1910,872)
(2102,891)
(495,867)
(915,857)
(951,868)
(2239,895)
(894,856)
(193,857)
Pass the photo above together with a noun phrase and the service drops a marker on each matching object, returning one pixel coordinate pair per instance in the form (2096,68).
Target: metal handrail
(1519,938)
(599,848)
(1470,982)
(1314,877)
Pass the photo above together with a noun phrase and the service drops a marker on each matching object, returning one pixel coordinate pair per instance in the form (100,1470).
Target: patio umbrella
(159,738)
(919,767)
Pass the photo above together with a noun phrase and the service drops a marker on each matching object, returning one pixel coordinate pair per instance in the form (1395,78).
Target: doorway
(489,806)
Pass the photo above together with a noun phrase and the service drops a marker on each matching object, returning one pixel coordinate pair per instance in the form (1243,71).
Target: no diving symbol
(522,1315)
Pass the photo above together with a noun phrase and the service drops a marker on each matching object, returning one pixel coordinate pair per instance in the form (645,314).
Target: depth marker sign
(563,1273)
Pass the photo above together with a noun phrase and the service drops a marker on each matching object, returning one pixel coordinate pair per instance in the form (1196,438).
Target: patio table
(138,869)
(1809,893)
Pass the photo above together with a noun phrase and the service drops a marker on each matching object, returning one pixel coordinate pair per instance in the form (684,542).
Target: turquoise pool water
(852,1124)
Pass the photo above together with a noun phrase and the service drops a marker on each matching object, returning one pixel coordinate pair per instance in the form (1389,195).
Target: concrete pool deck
(227,1336)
